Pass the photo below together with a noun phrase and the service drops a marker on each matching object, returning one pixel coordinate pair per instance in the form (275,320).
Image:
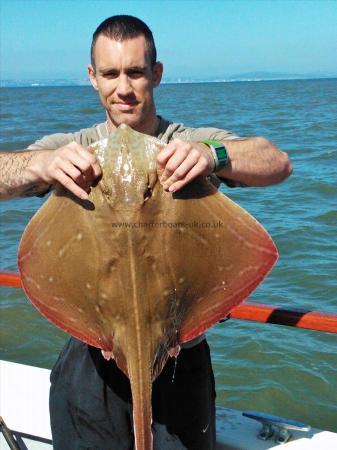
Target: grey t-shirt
(166,131)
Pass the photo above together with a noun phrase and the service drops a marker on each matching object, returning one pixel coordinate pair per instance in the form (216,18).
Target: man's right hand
(72,166)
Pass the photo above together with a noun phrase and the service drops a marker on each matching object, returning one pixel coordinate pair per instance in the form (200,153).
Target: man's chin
(129,119)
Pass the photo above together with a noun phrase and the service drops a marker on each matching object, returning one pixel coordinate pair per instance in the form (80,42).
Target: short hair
(122,27)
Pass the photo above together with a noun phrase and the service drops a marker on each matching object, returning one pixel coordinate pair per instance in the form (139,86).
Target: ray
(136,270)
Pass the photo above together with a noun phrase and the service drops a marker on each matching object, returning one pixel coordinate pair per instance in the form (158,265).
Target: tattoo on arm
(14,181)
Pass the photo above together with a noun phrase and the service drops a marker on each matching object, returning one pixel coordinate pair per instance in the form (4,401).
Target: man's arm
(255,162)
(28,173)
(15,177)
(252,162)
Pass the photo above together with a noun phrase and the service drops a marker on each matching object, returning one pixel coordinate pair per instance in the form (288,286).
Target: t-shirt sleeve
(85,137)
(201,134)
(52,141)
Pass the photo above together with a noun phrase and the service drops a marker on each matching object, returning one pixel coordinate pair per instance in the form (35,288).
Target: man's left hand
(182,161)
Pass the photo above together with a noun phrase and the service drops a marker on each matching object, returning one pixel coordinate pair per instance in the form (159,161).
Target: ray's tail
(140,373)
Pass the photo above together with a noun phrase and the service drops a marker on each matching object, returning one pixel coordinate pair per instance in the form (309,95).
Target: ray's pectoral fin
(222,260)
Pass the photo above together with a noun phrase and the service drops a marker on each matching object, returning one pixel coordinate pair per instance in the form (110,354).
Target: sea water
(271,368)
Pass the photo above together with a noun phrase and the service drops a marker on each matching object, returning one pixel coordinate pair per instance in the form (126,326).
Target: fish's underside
(136,270)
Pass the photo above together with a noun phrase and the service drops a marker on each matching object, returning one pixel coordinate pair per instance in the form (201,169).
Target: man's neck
(149,127)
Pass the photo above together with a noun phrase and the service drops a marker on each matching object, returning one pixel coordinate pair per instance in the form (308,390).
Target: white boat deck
(24,393)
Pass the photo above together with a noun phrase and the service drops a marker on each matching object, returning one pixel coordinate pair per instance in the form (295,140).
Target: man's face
(125,80)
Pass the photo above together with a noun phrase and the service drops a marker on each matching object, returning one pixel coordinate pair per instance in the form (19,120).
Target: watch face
(222,156)
(222,153)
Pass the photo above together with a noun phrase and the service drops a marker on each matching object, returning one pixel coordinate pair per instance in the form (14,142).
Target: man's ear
(157,73)
(92,77)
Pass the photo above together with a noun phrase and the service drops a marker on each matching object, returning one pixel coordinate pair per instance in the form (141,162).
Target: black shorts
(91,406)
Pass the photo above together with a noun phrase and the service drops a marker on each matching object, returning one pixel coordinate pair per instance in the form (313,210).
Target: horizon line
(72,82)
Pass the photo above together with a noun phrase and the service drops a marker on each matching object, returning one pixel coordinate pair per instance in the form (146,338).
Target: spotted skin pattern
(136,270)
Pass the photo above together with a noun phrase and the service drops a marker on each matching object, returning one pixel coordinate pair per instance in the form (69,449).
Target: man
(90,399)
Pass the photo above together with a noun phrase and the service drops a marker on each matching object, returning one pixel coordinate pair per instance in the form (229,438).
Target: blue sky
(48,39)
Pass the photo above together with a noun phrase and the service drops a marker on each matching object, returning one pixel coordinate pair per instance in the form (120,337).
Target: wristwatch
(219,152)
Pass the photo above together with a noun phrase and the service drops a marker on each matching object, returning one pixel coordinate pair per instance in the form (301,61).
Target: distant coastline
(247,77)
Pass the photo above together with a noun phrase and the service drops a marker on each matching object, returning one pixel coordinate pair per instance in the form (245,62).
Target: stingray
(135,270)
